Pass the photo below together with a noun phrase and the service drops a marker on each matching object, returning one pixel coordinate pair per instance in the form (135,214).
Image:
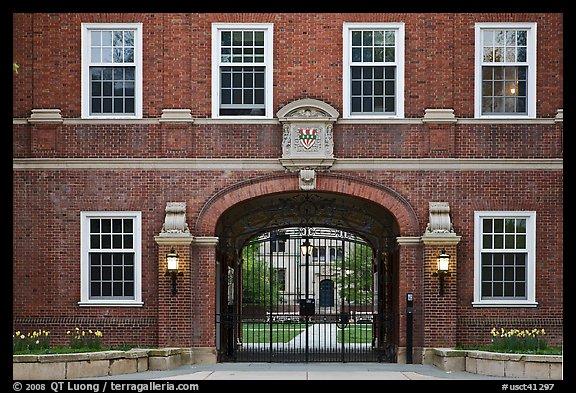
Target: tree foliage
(259,284)
(355,275)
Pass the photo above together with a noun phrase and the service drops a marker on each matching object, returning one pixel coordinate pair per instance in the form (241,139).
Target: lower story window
(111,264)
(505,258)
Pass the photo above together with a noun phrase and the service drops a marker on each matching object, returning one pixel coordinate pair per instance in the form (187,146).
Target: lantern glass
(172,259)
(306,248)
(443,262)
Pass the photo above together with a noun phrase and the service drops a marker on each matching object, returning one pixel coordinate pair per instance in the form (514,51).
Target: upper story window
(110,259)
(504,260)
(112,70)
(241,70)
(505,70)
(373,70)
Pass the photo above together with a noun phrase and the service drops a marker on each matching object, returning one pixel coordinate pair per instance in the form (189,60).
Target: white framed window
(504,259)
(242,70)
(505,71)
(111,70)
(111,262)
(373,72)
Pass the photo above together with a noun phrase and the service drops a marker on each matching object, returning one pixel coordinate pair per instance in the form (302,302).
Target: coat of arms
(307,137)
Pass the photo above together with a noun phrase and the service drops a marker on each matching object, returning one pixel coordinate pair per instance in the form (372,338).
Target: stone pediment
(307,109)
(307,141)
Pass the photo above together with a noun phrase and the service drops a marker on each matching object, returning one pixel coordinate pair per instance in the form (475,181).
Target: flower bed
(512,365)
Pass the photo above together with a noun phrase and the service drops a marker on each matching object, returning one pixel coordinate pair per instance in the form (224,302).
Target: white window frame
(530,62)
(530,300)
(268,66)
(85,74)
(85,217)
(399,62)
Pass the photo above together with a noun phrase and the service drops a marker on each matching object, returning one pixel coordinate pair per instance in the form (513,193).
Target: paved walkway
(319,336)
(303,371)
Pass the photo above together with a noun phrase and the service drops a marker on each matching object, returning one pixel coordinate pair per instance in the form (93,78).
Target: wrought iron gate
(308,295)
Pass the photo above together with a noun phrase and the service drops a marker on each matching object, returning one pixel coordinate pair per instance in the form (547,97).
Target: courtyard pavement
(303,371)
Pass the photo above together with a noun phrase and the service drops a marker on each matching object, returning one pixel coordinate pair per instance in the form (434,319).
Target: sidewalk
(303,371)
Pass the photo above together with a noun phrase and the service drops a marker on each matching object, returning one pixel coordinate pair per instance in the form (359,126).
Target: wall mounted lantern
(172,261)
(442,269)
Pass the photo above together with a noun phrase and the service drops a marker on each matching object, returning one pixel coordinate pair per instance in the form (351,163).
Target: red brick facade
(70,165)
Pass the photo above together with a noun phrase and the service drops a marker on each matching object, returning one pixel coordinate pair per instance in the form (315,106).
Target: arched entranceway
(281,301)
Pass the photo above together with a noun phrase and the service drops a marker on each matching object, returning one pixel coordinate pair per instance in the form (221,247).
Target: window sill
(488,303)
(110,303)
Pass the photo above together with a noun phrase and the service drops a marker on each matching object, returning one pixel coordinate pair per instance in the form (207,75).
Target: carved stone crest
(307,141)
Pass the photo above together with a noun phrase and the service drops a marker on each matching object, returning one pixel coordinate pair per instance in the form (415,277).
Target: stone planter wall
(499,364)
(97,364)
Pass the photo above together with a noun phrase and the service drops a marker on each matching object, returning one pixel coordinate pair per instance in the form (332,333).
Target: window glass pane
(367,38)
(356,38)
(367,54)
(117,241)
(389,54)
(497,289)
(379,54)
(94,241)
(521,36)
(498,241)
(487,274)
(521,241)
(389,105)
(486,289)
(509,289)
(498,225)
(106,241)
(488,37)
(107,55)
(379,38)
(259,38)
(129,289)
(128,241)
(520,289)
(106,288)
(390,38)
(487,241)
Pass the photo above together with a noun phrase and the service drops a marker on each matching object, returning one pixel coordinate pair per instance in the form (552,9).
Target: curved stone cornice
(307,109)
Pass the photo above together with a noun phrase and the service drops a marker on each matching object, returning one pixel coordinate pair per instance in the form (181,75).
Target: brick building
(137,136)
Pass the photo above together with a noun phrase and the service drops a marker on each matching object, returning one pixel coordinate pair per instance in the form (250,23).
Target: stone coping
(89,356)
(477,354)
(103,363)
(516,365)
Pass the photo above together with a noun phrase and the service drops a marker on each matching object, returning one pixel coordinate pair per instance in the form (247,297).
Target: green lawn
(360,333)
(281,332)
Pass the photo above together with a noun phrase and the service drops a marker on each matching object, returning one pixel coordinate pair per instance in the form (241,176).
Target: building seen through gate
(275,186)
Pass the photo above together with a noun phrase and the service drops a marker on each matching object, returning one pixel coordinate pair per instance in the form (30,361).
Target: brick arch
(217,205)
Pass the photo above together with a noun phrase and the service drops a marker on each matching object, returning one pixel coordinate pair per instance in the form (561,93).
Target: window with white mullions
(111,259)
(374,70)
(505,73)
(505,259)
(242,70)
(111,67)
